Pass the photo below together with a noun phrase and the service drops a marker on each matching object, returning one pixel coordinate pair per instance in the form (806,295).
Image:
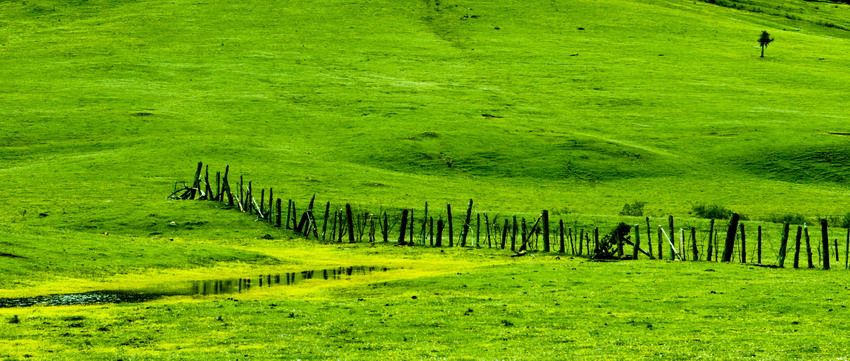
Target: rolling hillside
(576,105)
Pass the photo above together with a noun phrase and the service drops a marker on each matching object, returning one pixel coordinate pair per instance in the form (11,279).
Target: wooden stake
(743,245)
(451,228)
(637,243)
(431,231)
(694,248)
(730,238)
(403,226)
(505,234)
(563,248)
(466,225)
(825,241)
(487,228)
(808,246)
(797,247)
(546,246)
(759,245)
(325,220)
(649,237)
(783,245)
(350,220)
(277,222)
(439,232)
(514,231)
(710,248)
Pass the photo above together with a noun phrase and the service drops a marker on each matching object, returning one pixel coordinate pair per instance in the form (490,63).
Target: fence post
(637,243)
(545,231)
(730,238)
(695,249)
(439,232)
(477,230)
(563,240)
(277,222)
(487,228)
(466,224)
(797,247)
(451,228)
(743,245)
(325,220)
(710,249)
(505,233)
(431,231)
(350,221)
(825,241)
(808,246)
(759,245)
(649,237)
(403,226)
(783,245)
(514,231)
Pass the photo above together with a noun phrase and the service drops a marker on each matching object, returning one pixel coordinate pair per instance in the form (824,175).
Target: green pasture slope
(573,106)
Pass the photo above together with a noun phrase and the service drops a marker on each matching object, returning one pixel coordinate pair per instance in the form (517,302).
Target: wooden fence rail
(343,222)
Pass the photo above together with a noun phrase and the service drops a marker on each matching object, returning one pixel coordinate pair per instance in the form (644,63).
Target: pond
(192,288)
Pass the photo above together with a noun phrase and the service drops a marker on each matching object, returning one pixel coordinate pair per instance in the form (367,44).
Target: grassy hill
(573,106)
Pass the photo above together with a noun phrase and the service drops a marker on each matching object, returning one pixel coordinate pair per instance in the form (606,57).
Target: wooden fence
(520,235)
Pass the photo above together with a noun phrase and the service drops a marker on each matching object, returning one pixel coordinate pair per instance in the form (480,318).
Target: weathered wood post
(424,223)
(451,229)
(581,243)
(225,188)
(279,213)
(270,212)
(487,227)
(694,248)
(403,227)
(477,230)
(288,213)
(824,231)
(660,244)
(242,192)
(672,234)
(325,220)
(217,187)
(262,202)
(562,236)
(431,231)
(505,233)
(637,243)
(847,251)
(649,237)
(525,235)
(709,250)
(546,247)
(466,224)
(572,237)
(385,231)
(350,216)
(783,245)
(412,219)
(619,245)
(440,226)
(808,246)
(730,238)
(595,240)
(759,244)
(797,247)
(743,245)
(683,244)
(835,245)
(514,231)
(207,188)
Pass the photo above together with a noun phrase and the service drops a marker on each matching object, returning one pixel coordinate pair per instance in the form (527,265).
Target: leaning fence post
(695,249)
(808,245)
(710,248)
(325,220)
(783,245)
(649,237)
(466,225)
(730,238)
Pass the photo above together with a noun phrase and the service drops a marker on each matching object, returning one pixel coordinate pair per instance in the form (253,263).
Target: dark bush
(635,209)
(790,218)
(712,211)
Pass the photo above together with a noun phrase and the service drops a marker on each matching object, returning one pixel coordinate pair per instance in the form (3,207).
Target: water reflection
(239,285)
(191,288)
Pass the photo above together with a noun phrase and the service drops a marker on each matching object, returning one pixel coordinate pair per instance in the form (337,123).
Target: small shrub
(635,209)
(790,218)
(711,211)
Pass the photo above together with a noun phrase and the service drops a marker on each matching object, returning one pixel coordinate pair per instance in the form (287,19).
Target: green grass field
(577,107)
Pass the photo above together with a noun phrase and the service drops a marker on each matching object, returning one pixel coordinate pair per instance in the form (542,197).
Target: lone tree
(764,41)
